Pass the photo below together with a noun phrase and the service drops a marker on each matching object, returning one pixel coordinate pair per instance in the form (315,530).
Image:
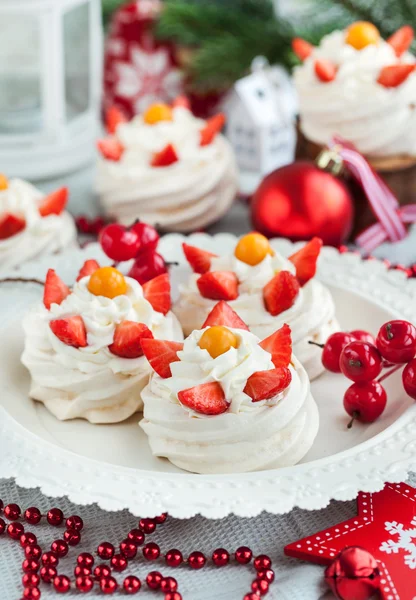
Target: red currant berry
(174,558)
(2,526)
(47,574)
(119,562)
(60,547)
(83,223)
(252,596)
(15,530)
(168,584)
(151,551)
(396,341)
(33,551)
(161,518)
(132,584)
(148,236)
(153,580)
(97,225)
(136,536)
(55,517)
(365,401)
(220,557)
(260,586)
(50,559)
(262,562)
(32,593)
(30,565)
(108,585)
(12,512)
(105,550)
(173,596)
(147,525)
(333,347)
(119,243)
(74,522)
(128,548)
(243,555)
(101,571)
(33,515)
(85,559)
(147,266)
(196,560)
(72,537)
(1,505)
(62,584)
(84,583)
(363,336)
(409,379)
(82,571)
(360,361)
(27,539)
(30,580)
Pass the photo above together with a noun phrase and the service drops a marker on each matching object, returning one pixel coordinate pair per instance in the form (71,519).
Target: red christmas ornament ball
(353,575)
(300,201)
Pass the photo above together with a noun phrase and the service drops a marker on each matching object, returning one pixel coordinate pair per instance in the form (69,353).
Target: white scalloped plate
(112,465)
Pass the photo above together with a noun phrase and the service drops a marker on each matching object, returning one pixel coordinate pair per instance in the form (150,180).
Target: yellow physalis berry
(156,113)
(108,282)
(217,340)
(253,248)
(4,182)
(362,34)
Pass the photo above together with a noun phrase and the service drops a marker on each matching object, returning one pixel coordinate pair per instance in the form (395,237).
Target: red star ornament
(386,527)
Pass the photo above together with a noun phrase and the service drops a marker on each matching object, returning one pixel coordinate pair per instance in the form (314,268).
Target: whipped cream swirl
(192,192)
(42,235)
(379,121)
(91,382)
(312,316)
(250,435)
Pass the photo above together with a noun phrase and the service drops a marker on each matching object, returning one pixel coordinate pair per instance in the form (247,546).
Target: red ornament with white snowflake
(138,69)
(386,527)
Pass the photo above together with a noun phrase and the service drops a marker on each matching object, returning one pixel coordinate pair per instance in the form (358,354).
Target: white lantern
(50,85)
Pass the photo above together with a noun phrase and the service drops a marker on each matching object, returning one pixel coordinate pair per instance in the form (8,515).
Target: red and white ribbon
(391,218)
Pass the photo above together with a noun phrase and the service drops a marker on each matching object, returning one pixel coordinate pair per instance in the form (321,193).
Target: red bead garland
(41,566)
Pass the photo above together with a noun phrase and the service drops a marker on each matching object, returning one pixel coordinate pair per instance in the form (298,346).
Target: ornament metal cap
(329,159)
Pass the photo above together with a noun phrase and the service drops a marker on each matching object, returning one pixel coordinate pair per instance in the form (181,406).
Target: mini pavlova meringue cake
(32,224)
(226,402)
(83,345)
(266,290)
(166,167)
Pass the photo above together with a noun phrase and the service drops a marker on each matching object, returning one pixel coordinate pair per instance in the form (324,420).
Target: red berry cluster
(41,567)
(138,242)
(89,226)
(361,358)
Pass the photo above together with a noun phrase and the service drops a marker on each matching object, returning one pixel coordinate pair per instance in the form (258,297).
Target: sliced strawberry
(394,75)
(54,203)
(160,354)
(70,331)
(212,127)
(263,385)
(200,260)
(280,293)
(55,290)
(110,148)
(128,337)
(207,399)
(165,157)
(301,48)
(113,118)
(10,225)
(218,285)
(401,40)
(223,314)
(305,260)
(182,101)
(157,292)
(279,344)
(325,70)
(88,268)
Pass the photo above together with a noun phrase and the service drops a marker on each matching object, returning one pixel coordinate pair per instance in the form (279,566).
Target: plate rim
(388,456)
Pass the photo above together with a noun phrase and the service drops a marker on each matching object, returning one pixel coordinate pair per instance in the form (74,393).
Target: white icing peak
(380,121)
(230,369)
